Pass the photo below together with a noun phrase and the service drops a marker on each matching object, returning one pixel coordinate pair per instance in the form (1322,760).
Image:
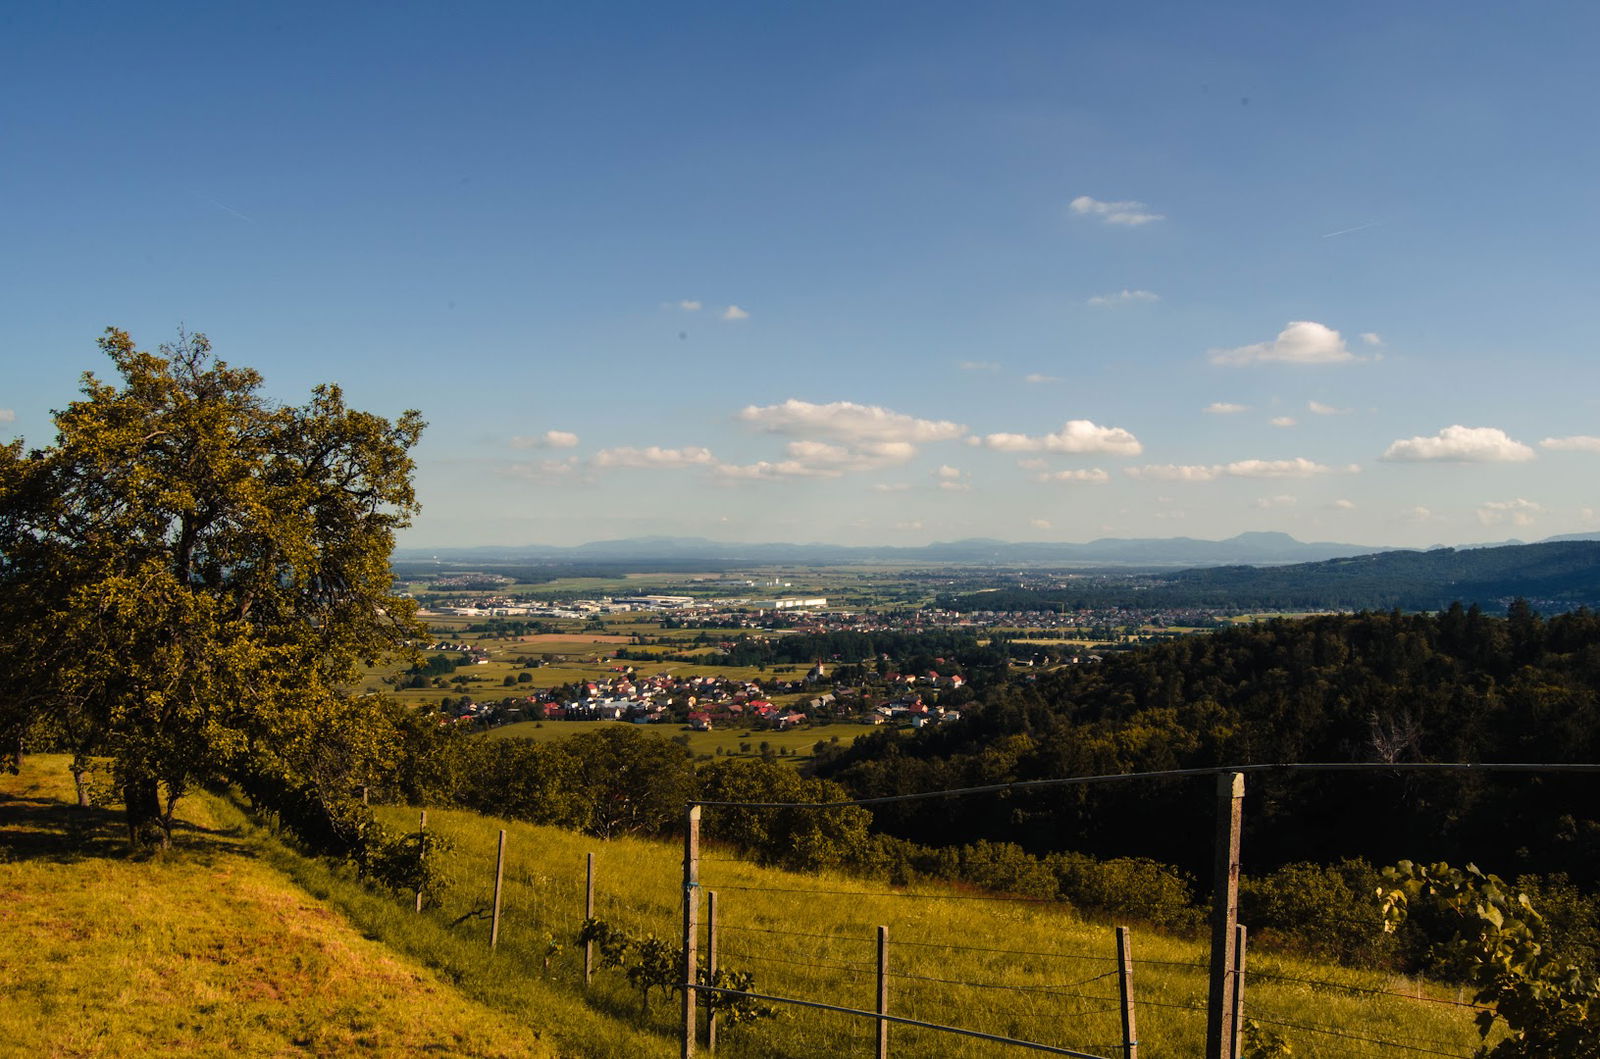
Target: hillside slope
(204,951)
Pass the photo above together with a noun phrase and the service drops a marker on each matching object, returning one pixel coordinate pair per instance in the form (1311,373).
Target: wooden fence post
(499,872)
(588,913)
(711,967)
(1224,916)
(1130,1031)
(691,926)
(1238,988)
(883,993)
(422,848)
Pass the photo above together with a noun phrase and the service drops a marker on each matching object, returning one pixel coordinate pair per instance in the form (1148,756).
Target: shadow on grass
(51,830)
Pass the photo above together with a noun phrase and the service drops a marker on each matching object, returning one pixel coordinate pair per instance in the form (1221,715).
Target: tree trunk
(147,828)
(78,781)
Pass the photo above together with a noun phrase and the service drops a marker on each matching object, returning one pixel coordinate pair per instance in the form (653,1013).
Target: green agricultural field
(800,743)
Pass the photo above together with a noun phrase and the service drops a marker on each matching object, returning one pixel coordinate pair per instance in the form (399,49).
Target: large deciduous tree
(191,576)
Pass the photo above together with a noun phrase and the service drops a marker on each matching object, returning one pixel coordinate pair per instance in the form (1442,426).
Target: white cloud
(1035,378)
(978,365)
(1128,213)
(8,415)
(1416,514)
(654,457)
(550,439)
(1225,408)
(689,305)
(1459,444)
(1299,467)
(733,312)
(1344,505)
(544,470)
(1302,342)
(1575,443)
(819,459)
(1283,421)
(948,472)
(1372,338)
(915,525)
(1033,463)
(891,487)
(955,487)
(1172,472)
(1518,512)
(1076,435)
(1125,297)
(1320,409)
(1039,523)
(849,422)
(1269,502)
(1092,476)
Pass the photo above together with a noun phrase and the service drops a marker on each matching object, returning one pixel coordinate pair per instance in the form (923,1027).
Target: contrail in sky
(1347,231)
(230,209)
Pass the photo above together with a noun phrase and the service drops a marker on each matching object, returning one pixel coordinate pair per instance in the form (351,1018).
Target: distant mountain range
(1250,549)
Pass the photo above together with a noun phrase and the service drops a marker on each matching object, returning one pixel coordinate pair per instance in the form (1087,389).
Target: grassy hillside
(235,943)
(1019,968)
(208,950)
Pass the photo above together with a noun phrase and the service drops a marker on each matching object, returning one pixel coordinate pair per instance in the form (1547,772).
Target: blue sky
(883,273)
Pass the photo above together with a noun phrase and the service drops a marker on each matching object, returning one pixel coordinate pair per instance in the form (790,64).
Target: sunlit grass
(205,950)
(1029,970)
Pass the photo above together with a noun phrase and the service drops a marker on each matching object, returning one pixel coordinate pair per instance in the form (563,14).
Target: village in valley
(685,660)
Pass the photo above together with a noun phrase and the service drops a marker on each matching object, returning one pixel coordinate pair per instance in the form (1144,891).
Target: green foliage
(191,575)
(1135,888)
(799,839)
(1321,910)
(1373,688)
(650,963)
(1259,1042)
(608,782)
(1549,1005)
(410,863)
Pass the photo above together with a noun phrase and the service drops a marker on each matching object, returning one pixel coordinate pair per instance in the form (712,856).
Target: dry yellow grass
(206,950)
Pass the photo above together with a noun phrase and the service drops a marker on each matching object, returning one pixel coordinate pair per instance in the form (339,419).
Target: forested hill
(1556,574)
(1456,686)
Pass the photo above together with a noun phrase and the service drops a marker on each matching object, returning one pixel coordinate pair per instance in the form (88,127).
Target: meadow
(795,744)
(237,942)
(1026,969)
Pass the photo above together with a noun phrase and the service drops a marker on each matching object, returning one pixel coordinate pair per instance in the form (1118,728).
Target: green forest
(1559,574)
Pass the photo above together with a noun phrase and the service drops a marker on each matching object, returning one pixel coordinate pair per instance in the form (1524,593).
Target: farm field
(798,742)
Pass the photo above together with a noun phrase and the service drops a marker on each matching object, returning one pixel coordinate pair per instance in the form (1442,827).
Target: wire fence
(967,975)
